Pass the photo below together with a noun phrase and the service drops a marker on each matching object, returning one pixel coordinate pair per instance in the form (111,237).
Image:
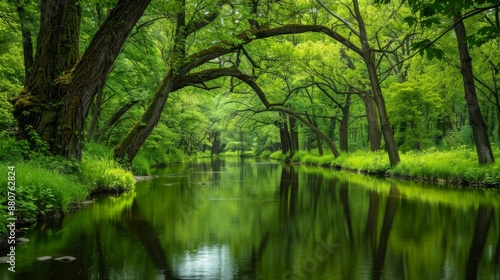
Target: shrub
(102,173)
(12,150)
(141,166)
(298,156)
(278,155)
(265,154)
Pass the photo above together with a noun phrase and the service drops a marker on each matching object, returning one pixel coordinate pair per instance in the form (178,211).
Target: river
(249,219)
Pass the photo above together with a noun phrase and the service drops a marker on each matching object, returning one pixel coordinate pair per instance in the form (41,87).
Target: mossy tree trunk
(39,103)
(61,86)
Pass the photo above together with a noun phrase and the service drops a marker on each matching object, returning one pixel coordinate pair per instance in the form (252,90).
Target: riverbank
(45,187)
(457,166)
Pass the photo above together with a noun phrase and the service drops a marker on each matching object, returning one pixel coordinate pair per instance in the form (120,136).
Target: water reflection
(208,262)
(241,219)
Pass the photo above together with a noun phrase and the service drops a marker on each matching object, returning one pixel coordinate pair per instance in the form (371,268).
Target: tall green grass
(278,155)
(458,166)
(362,161)
(41,191)
(105,174)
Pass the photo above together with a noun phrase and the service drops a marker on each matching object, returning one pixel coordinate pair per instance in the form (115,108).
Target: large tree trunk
(56,104)
(126,151)
(479,130)
(95,115)
(39,102)
(378,97)
(89,74)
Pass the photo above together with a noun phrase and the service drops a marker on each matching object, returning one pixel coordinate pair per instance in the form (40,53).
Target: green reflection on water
(233,219)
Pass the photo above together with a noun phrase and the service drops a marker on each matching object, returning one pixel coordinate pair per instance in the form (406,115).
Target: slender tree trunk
(390,143)
(95,115)
(344,125)
(318,138)
(328,141)
(27,44)
(286,140)
(479,130)
(215,150)
(294,135)
(370,108)
(372,121)
(115,118)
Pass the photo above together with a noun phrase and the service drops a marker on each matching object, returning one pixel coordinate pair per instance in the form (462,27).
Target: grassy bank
(457,166)
(45,186)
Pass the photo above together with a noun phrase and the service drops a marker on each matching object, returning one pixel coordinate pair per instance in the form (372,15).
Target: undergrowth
(458,166)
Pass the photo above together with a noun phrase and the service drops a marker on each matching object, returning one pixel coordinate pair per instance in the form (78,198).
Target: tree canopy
(208,76)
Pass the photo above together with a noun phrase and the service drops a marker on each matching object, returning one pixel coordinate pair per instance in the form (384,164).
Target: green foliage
(42,191)
(457,166)
(427,47)
(11,149)
(278,155)
(38,146)
(412,106)
(98,150)
(103,173)
(6,119)
(363,161)
(141,166)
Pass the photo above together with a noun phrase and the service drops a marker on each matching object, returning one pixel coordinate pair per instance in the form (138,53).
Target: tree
(62,85)
(366,53)
(183,66)
(428,14)
(415,106)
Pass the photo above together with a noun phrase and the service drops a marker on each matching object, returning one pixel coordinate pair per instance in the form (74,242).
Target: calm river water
(245,219)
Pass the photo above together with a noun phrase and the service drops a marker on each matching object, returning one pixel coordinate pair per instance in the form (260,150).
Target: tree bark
(344,125)
(378,97)
(39,103)
(286,140)
(27,43)
(95,115)
(126,151)
(479,130)
(372,120)
(294,135)
(89,74)
(56,104)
